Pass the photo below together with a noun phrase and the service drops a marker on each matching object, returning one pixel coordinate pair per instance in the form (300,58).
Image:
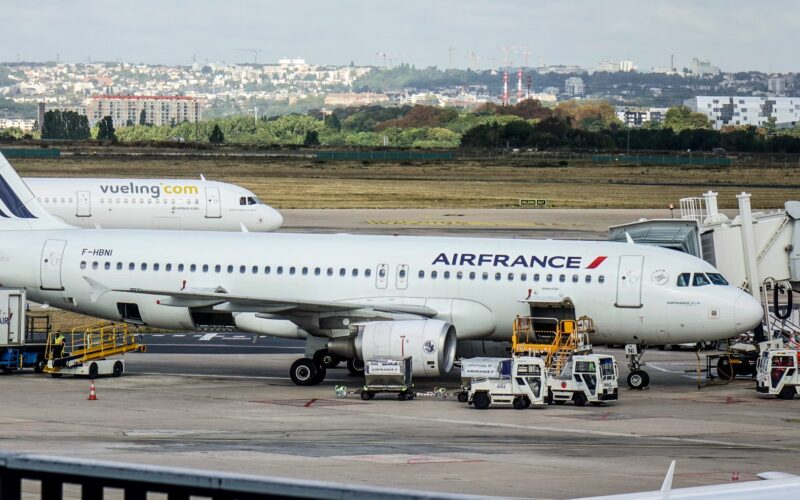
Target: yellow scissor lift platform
(556,344)
(87,348)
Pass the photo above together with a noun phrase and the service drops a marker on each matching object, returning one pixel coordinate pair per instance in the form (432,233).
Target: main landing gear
(637,378)
(312,371)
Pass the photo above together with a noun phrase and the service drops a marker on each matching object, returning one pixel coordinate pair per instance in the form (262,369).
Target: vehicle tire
(40,365)
(787,393)
(724,369)
(321,373)
(6,370)
(401,396)
(118,369)
(579,399)
(56,375)
(326,358)
(638,379)
(597,403)
(463,396)
(94,370)
(527,403)
(558,402)
(355,367)
(366,395)
(481,400)
(519,403)
(303,372)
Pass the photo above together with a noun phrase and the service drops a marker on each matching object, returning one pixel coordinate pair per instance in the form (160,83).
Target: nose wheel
(637,378)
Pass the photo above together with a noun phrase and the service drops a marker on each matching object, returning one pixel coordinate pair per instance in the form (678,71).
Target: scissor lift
(554,340)
(88,348)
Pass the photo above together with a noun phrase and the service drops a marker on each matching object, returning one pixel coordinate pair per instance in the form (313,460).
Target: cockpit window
(700,279)
(249,200)
(717,279)
(684,278)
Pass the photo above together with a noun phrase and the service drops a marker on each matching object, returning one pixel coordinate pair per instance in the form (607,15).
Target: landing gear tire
(355,367)
(326,358)
(463,397)
(321,372)
(579,399)
(481,401)
(638,379)
(520,403)
(725,369)
(787,393)
(304,372)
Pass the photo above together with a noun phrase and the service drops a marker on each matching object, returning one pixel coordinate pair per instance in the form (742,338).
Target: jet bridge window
(700,279)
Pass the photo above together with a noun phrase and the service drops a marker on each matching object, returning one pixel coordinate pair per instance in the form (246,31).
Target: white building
(24,124)
(159,110)
(703,68)
(776,85)
(754,111)
(626,66)
(635,116)
(574,86)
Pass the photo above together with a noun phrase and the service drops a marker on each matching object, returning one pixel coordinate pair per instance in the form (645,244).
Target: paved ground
(237,411)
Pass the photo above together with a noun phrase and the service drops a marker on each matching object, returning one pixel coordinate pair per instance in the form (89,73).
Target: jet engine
(431,343)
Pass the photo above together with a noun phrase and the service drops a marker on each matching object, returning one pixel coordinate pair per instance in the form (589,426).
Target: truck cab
(521,386)
(777,373)
(586,378)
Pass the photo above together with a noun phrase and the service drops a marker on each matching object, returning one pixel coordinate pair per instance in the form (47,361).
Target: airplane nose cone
(747,313)
(275,220)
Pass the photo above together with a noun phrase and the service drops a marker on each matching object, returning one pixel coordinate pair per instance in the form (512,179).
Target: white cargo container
(481,368)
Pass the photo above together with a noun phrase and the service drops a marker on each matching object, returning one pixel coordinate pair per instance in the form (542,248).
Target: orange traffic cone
(92,393)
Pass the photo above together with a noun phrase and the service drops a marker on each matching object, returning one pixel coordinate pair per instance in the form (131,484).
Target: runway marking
(584,432)
(311,402)
(158,335)
(407,459)
(178,335)
(469,223)
(682,374)
(299,349)
(208,336)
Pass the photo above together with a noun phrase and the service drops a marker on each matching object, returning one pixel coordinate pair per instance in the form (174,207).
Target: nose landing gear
(637,378)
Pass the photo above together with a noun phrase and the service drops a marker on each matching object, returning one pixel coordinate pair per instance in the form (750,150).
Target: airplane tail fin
(19,208)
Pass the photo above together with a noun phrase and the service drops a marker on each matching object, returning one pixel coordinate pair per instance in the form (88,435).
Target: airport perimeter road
(529,223)
(238,412)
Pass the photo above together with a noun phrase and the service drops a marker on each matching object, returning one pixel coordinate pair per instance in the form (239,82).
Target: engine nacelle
(431,343)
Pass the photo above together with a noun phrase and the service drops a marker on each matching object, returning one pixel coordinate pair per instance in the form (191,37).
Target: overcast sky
(733,34)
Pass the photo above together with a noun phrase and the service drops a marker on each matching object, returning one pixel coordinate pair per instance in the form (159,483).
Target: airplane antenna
(628,237)
(202,177)
(244,228)
(667,486)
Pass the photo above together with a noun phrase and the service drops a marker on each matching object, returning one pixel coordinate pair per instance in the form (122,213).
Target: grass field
(305,183)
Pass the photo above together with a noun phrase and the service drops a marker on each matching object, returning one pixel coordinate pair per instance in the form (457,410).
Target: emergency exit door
(629,281)
(213,204)
(84,207)
(52,253)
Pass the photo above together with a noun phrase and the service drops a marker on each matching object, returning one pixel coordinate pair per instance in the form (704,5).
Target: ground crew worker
(59,343)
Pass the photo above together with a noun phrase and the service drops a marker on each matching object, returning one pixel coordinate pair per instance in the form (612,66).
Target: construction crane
(255,53)
(450,51)
(389,56)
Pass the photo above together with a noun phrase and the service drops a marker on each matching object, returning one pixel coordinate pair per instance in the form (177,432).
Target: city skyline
(734,35)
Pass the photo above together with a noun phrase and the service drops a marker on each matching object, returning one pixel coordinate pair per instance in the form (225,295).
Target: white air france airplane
(358,297)
(154,204)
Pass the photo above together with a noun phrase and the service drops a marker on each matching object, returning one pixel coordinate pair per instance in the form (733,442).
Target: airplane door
(213,204)
(84,207)
(382,276)
(52,253)
(629,281)
(402,276)
(13,321)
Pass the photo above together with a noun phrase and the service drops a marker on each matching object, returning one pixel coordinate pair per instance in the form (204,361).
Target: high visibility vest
(59,340)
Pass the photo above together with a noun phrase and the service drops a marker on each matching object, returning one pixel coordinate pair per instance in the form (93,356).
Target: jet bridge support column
(748,244)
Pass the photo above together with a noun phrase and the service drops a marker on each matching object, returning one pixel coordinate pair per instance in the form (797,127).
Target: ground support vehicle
(481,368)
(91,350)
(524,386)
(586,378)
(738,361)
(778,372)
(388,376)
(22,341)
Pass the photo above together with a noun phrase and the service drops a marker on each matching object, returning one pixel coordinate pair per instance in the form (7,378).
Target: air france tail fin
(19,208)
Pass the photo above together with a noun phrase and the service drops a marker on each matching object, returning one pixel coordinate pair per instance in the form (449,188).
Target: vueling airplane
(154,204)
(359,297)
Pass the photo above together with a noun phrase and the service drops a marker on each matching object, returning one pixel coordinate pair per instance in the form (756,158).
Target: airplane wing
(221,300)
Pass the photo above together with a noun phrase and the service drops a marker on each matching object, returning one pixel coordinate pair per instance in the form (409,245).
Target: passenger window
(156,267)
(510,276)
(588,278)
(305,271)
(343,271)
(367,273)
(94,265)
(683,279)
(446,275)
(700,279)
(131,266)
(485,276)
(230,269)
(536,277)
(254,270)
(330,271)
(192,268)
(107,266)
(472,275)
(421,274)
(83,265)
(119,266)
(317,271)
(434,275)
(574,278)
(355,273)
(292,270)
(459,275)
(549,278)
(217,268)
(267,270)
(168,267)
(523,277)
(242,269)
(601,279)
(562,278)
(498,276)
(205,268)
(144,266)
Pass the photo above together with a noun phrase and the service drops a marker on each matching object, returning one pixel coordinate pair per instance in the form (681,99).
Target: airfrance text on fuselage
(154,191)
(502,260)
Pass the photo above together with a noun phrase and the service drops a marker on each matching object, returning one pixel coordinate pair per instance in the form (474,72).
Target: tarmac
(225,402)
